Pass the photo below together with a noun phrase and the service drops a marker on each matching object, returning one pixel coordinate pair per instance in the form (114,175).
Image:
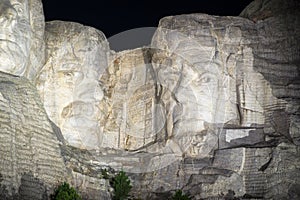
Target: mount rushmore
(211,106)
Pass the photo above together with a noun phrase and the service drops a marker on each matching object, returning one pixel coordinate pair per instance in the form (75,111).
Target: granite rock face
(235,78)
(240,79)
(68,82)
(22,47)
(132,116)
(31,163)
(228,91)
(262,9)
(211,107)
(34,159)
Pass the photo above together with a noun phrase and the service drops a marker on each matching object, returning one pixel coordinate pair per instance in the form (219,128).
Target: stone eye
(69,74)
(205,79)
(208,78)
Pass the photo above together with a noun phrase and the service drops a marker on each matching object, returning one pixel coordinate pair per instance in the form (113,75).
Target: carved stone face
(78,78)
(15,33)
(70,80)
(194,79)
(198,92)
(195,92)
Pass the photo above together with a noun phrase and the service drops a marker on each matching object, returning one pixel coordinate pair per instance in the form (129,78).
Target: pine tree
(121,185)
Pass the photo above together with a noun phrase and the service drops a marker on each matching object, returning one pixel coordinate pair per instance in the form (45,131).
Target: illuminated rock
(211,107)
(68,83)
(22,37)
(31,163)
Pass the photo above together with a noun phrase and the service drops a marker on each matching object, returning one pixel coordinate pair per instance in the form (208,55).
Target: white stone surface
(21,37)
(69,81)
(232,134)
(159,112)
(29,145)
(133,118)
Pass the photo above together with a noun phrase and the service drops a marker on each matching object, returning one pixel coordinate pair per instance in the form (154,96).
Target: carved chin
(81,132)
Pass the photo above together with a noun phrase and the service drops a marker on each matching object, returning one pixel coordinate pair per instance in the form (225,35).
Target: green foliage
(180,196)
(121,185)
(104,173)
(65,192)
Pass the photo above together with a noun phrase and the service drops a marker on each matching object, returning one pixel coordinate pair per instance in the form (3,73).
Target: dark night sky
(112,17)
(120,20)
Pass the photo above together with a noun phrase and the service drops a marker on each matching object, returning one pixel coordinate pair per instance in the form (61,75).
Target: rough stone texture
(262,9)
(22,37)
(216,108)
(85,173)
(68,83)
(283,173)
(210,107)
(131,116)
(255,67)
(33,157)
(278,59)
(31,163)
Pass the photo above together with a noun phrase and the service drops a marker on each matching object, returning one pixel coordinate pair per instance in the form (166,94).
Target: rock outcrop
(31,163)
(22,46)
(211,107)
(262,9)
(34,159)
(68,82)
(235,77)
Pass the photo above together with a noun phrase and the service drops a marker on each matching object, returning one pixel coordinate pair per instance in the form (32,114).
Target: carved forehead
(73,35)
(19,1)
(31,9)
(4,4)
(21,6)
(12,2)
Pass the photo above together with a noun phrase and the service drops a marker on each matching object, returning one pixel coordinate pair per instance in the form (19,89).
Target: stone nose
(89,90)
(7,15)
